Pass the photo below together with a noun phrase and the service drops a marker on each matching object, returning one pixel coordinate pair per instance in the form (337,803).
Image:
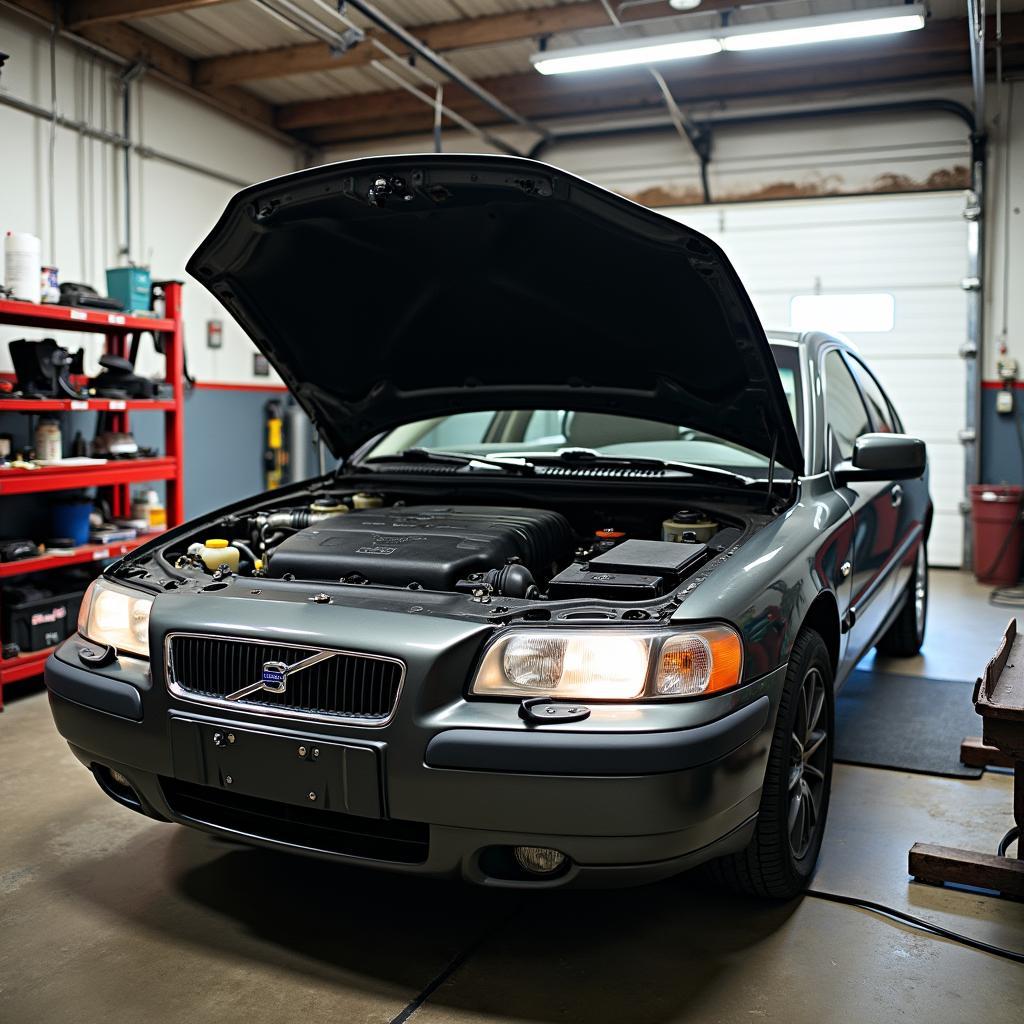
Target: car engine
(433,547)
(622,554)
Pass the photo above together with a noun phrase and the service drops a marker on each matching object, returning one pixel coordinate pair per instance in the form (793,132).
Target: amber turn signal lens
(703,662)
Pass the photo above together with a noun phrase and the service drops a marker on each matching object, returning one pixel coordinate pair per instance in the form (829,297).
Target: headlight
(610,664)
(116,615)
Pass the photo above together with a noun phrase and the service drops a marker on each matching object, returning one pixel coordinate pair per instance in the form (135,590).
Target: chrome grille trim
(254,707)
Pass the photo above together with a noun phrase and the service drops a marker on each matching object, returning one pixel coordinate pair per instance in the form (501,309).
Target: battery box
(635,570)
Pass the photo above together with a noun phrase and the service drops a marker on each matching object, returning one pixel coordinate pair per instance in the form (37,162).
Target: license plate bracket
(305,771)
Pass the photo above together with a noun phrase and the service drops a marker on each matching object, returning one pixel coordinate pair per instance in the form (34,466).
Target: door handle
(896,495)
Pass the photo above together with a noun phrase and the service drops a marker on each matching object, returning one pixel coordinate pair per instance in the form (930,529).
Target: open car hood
(393,289)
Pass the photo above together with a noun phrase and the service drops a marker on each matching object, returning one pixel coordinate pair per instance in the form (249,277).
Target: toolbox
(37,617)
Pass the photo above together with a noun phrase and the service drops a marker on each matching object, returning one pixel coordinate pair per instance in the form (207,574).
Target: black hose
(246,550)
(917,922)
(1008,840)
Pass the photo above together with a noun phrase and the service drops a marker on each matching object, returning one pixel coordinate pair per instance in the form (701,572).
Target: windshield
(525,432)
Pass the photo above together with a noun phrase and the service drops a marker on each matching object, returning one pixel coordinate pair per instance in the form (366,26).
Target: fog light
(120,779)
(538,860)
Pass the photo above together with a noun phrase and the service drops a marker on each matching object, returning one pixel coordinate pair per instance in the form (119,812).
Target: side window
(877,404)
(844,408)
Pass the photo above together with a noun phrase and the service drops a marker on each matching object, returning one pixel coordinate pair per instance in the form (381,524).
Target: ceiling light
(657,50)
(684,5)
(858,24)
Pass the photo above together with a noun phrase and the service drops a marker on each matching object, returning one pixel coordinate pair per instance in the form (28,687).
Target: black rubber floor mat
(910,723)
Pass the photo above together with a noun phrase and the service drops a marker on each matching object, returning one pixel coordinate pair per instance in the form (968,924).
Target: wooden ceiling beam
(643,96)
(163,62)
(721,75)
(80,14)
(442,37)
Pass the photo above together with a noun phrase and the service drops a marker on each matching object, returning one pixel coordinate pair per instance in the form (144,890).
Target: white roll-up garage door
(910,247)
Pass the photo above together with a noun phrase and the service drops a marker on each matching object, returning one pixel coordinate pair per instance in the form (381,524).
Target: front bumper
(628,795)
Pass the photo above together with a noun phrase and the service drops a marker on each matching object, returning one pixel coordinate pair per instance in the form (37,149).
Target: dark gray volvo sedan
(575,604)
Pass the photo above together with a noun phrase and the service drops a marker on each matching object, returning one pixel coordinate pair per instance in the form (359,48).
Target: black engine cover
(432,545)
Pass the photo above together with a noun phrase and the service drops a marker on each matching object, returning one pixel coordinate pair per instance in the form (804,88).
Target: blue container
(132,285)
(71,518)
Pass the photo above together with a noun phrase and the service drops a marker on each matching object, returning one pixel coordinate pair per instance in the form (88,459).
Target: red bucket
(998,533)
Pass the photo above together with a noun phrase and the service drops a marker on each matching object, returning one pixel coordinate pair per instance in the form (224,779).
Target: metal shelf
(23,666)
(74,318)
(87,404)
(83,555)
(67,478)
(117,475)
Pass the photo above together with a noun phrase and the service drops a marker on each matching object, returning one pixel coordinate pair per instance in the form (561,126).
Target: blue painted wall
(223,453)
(1002,440)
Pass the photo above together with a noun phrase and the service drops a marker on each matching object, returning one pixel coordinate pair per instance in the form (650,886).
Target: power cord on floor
(1008,840)
(917,922)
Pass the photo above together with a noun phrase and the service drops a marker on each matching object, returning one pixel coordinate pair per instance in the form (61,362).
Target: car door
(873,505)
(910,497)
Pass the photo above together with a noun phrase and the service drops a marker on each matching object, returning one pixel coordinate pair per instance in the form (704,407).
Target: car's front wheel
(780,859)
(903,639)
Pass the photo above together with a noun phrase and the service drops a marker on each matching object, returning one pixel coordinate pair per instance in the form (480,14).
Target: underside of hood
(393,289)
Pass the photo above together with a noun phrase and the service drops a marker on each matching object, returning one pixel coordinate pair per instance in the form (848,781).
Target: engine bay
(480,550)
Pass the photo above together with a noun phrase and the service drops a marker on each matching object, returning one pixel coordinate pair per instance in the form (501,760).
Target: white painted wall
(172,208)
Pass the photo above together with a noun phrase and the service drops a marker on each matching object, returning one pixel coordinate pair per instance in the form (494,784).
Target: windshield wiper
(518,466)
(590,457)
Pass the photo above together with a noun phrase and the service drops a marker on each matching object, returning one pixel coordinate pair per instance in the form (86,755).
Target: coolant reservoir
(685,522)
(218,552)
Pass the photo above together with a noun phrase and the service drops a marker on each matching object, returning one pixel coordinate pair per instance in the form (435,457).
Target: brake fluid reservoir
(218,552)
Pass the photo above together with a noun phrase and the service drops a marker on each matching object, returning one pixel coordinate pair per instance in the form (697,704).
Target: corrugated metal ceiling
(242,25)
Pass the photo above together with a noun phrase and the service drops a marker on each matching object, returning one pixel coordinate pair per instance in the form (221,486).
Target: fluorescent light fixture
(858,24)
(656,50)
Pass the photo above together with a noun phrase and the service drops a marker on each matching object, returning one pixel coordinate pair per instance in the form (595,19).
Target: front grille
(346,686)
(406,842)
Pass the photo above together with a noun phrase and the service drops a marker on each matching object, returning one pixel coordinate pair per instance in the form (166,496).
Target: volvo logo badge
(274,676)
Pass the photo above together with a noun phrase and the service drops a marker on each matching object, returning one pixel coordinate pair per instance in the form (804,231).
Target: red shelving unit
(116,475)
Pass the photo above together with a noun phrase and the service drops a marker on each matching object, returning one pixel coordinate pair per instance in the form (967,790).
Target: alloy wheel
(808,761)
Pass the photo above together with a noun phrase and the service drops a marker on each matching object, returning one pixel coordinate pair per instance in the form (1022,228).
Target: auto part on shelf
(44,368)
(12,550)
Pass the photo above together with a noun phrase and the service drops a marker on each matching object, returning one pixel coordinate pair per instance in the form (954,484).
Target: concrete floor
(108,917)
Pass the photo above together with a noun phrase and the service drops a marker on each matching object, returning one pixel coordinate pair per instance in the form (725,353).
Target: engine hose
(246,550)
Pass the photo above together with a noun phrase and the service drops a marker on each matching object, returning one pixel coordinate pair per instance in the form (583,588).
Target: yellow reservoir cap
(217,542)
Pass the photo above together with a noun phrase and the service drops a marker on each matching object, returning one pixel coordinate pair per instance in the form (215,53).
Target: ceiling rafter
(442,37)
(940,50)
(162,61)
(79,14)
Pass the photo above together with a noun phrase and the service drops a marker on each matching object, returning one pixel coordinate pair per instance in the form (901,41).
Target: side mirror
(883,457)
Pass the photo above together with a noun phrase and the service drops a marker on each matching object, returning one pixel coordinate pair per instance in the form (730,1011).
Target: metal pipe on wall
(973,349)
(118,141)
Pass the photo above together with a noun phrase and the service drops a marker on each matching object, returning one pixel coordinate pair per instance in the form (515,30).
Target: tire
(903,639)
(780,859)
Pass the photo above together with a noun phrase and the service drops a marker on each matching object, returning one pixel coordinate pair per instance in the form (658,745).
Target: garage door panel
(928,394)
(913,247)
(945,545)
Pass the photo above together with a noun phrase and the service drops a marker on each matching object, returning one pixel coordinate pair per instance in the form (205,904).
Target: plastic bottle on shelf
(22,265)
(48,441)
(149,509)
